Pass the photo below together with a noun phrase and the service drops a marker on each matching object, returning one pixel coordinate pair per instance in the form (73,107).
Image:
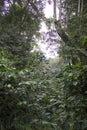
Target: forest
(37,93)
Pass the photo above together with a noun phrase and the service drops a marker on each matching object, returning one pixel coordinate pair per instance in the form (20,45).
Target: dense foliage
(36,93)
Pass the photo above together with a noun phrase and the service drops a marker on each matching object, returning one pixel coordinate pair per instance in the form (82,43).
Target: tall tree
(22,18)
(69,30)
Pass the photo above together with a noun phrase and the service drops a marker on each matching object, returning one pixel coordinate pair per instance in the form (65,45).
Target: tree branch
(62,33)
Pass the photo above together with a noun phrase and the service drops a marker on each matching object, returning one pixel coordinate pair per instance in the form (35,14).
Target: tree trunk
(60,11)
(54,9)
(82,3)
(79,7)
(62,33)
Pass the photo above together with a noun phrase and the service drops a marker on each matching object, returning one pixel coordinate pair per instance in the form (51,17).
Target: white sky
(48,10)
(51,51)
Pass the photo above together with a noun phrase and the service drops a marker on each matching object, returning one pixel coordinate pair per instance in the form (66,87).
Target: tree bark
(60,11)
(82,3)
(62,33)
(79,7)
(54,9)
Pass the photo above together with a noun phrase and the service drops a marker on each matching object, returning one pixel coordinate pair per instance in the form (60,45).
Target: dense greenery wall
(36,93)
